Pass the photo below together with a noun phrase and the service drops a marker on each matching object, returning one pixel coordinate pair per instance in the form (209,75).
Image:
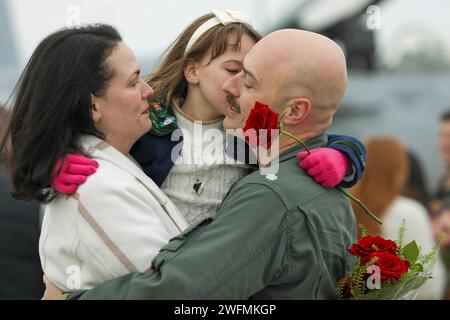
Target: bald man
(297,72)
(281,239)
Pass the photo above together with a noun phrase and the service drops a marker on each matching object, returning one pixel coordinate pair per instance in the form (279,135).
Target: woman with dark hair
(82,92)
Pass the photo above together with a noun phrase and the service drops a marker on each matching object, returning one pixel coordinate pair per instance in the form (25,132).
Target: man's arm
(232,256)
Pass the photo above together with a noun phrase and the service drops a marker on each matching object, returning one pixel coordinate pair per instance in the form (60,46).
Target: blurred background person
(386,173)
(441,226)
(440,204)
(442,196)
(20,268)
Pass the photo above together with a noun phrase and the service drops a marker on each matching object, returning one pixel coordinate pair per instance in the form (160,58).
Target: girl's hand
(72,171)
(326,166)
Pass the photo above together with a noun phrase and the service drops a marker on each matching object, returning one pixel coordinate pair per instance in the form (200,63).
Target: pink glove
(327,166)
(74,172)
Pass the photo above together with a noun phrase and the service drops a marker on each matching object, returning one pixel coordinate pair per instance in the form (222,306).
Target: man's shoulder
(288,181)
(299,192)
(255,185)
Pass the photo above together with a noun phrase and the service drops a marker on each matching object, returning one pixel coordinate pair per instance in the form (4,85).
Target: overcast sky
(148,26)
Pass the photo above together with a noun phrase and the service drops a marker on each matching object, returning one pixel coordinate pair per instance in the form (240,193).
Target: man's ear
(191,72)
(95,109)
(297,111)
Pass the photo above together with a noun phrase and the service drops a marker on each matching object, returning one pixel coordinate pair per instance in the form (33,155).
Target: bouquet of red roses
(386,270)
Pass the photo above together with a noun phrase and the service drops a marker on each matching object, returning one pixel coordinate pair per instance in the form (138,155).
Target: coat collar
(239,149)
(316,142)
(100,149)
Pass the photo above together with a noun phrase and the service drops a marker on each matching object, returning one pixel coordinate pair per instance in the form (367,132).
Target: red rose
(262,119)
(370,245)
(391,266)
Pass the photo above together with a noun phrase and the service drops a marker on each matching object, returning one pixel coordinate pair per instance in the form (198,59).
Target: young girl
(188,88)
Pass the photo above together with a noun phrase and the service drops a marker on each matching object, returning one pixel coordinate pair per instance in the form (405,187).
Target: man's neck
(287,143)
(284,143)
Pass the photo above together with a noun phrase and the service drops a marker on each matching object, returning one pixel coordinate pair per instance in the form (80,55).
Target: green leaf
(419,267)
(411,252)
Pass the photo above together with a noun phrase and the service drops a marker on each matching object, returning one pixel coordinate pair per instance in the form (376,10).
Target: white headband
(222,16)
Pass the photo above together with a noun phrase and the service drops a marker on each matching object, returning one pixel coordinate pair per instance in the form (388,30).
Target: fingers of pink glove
(329,183)
(301,155)
(65,188)
(320,178)
(81,160)
(328,177)
(72,179)
(309,162)
(77,169)
(315,170)
(304,154)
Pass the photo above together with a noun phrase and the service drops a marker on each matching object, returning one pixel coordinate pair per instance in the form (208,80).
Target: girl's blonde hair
(387,168)
(168,79)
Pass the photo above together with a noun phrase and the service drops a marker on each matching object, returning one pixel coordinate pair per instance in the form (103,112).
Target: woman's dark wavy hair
(51,105)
